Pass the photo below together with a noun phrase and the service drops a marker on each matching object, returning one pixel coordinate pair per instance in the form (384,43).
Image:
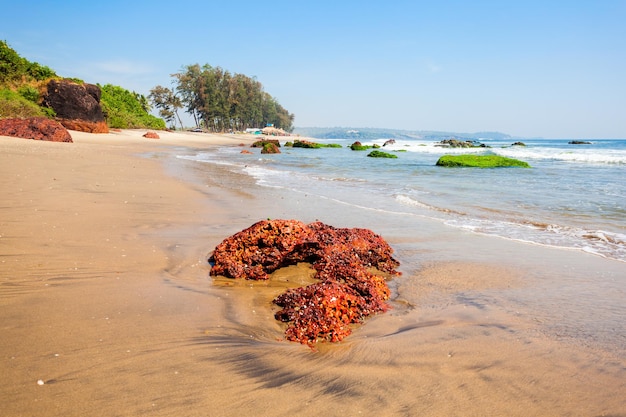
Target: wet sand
(107,308)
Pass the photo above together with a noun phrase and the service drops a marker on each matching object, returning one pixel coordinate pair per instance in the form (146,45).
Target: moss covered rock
(313,145)
(263,142)
(480,161)
(270,147)
(381,154)
(358,146)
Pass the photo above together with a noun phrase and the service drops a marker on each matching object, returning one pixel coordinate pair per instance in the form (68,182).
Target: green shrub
(13,105)
(15,69)
(124,110)
(29,93)
(39,72)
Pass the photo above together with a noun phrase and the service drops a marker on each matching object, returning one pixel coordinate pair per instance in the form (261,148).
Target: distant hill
(379,133)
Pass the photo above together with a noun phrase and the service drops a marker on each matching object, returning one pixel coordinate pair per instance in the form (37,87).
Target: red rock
(85,126)
(349,289)
(38,128)
(245,151)
(151,135)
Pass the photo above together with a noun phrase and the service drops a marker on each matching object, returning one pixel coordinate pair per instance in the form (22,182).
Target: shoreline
(105,297)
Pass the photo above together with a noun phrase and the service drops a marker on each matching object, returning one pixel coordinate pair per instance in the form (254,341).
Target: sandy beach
(107,307)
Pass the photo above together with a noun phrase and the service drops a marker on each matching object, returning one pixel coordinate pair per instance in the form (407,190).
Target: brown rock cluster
(151,135)
(350,264)
(38,128)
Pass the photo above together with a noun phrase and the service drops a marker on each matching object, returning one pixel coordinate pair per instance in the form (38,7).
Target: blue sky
(554,69)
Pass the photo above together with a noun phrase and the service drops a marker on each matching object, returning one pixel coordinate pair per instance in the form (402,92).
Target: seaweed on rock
(480,161)
(350,265)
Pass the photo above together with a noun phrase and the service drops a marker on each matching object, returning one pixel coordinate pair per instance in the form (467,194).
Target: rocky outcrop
(85,126)
(350,265)
(270,147)
(579,142)
(358,146)
(455,143)
(261,143)
(306,144)
(38,128)
(151,135)
(380,154)
(77,106)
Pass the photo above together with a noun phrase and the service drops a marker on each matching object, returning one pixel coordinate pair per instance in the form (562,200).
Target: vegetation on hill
(220,101)
(24,83)
(217,99)
(16,71)
(12,104)
(21,83)
(126,110)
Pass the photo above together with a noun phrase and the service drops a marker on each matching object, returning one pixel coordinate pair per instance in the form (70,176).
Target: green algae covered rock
(313,145)
(358,146)
(480,161)
(381,154)
(269,148)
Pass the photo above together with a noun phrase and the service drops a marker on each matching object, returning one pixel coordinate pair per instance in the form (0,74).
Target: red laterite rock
(349,265)
(38,128)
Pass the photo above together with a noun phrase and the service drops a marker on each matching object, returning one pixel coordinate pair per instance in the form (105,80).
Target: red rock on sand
(38,128)
(350,264)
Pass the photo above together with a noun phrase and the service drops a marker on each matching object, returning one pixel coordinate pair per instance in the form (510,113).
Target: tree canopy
(216,99)
(220,101)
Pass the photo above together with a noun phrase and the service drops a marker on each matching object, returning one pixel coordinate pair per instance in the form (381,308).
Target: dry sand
(106,308)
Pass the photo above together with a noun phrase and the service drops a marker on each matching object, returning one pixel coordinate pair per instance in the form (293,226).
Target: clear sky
(554,69)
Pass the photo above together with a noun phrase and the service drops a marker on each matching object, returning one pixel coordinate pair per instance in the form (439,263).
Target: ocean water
(494,262)
(553,235)
(573,196)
